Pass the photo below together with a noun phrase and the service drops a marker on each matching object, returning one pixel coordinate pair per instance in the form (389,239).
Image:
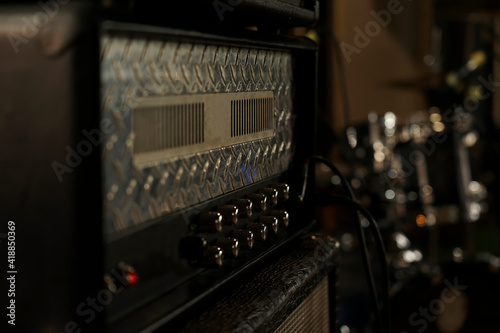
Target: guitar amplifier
(149,169)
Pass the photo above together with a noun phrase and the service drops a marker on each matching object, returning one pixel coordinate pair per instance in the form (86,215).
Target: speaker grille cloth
(312,315)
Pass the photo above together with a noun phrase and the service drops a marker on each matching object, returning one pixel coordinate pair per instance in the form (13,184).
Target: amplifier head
(149,167)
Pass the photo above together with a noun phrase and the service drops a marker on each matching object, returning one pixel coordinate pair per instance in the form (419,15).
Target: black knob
(259,230)
(230,246)
(244,237)
(271,194)
(210,222)
(271,223)
(244,207)
(229,213)
(259,201)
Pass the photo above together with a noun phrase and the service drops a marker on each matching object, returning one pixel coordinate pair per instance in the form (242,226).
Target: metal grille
(312,315)
(251,116)
(158,128)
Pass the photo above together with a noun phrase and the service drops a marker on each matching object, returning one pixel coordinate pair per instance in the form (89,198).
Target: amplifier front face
(188,121)
(150,166)
(192,126)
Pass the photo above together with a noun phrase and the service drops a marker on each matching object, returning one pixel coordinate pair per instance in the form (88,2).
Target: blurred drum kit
(418,177)
(422,169)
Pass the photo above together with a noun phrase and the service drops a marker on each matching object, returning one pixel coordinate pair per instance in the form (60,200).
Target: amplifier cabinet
(295,293)
(147,168)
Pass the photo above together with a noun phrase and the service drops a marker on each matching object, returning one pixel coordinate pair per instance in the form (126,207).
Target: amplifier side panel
(50,179)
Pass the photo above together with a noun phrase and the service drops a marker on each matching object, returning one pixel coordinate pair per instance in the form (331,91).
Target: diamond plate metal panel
(135,67)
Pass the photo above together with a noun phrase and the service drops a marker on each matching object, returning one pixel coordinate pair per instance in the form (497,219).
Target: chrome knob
(244,207)
(214,257)
(271,194)
(282,217)
(229,213)
(259,230)
(259,201)
(244,237)
(210,222)
(283,191)
(230,246)
(271,223)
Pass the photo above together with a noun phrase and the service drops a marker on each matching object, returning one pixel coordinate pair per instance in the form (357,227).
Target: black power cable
(346,201)
(343,181)
(335,200)
(348,189)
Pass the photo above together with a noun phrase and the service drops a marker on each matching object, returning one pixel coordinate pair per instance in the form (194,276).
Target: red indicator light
(132,279)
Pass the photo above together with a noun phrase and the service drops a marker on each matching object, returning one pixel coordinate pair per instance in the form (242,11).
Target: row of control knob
(244,208)
(213,221)
(196,249)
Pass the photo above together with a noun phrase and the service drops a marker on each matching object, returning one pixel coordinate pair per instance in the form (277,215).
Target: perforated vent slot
(173,126)
(170,126)
(250,116)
